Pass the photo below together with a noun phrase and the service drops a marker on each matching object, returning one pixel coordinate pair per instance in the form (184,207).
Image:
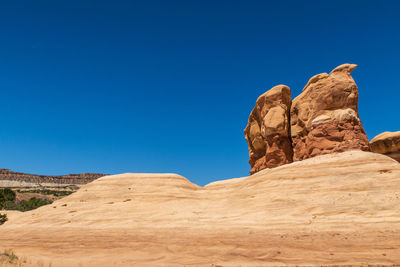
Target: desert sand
(335,209)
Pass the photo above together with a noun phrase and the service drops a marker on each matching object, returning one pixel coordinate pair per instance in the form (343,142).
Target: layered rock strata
(387,143)
(10,178)
(267,131)
(331,210)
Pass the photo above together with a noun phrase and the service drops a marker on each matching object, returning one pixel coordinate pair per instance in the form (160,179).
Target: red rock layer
(331,137)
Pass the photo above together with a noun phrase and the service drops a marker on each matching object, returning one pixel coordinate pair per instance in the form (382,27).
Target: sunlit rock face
(331,210)
(387,143)
(267,131)
(324,117)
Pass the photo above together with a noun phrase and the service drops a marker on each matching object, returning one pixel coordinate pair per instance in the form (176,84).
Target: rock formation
(331,210)
(267,131)
(387,143)
(324,117)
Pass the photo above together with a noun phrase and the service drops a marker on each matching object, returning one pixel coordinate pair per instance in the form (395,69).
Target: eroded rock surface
(267,131)
(324,117)
(331,210)
(387,143)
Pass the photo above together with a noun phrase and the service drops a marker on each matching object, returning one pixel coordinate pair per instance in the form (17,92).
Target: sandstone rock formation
(267,131)
(387,143)
(330,210)
(324,117)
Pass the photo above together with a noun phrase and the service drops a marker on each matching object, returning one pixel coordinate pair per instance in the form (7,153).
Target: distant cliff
(73,179)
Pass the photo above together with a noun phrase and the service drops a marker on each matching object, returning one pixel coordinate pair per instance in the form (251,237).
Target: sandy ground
(338,209)
(27,196)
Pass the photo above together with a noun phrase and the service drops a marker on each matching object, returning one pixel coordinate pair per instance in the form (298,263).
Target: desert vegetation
(6,195)
(3,218)
(8,201)
(9,256)
(51,192)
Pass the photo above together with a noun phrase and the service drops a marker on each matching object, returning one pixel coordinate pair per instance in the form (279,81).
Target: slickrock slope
(324,117)
(336,209)
(387,143)
(19,179)
(267,131)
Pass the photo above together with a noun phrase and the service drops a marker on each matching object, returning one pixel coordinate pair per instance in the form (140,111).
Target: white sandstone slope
(336,209)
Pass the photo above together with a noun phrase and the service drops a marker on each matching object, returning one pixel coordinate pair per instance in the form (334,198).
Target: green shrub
(6,195)
(9,205)
(8,202)
(30,204)
(3,218)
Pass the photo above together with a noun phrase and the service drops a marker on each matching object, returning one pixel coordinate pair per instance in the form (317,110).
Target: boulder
(324,117)
(387,143)
(267,131)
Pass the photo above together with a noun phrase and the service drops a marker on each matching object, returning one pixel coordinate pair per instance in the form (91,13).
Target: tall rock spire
(323,119)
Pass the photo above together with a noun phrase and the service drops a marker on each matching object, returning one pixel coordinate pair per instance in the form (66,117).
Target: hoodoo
(323,119)
(267,131)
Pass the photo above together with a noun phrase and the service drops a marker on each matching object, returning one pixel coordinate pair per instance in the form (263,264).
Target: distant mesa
(323,119)
(13,179)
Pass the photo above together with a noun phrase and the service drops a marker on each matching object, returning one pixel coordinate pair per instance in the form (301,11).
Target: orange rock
(267,131)
(324,117)
(387,143)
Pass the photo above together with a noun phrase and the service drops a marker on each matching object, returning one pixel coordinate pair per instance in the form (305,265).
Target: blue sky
(167,86)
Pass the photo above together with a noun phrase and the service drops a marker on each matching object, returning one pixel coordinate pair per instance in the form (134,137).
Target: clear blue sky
(167,86)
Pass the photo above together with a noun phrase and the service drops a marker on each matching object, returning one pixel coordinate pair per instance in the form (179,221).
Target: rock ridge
(81,178)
